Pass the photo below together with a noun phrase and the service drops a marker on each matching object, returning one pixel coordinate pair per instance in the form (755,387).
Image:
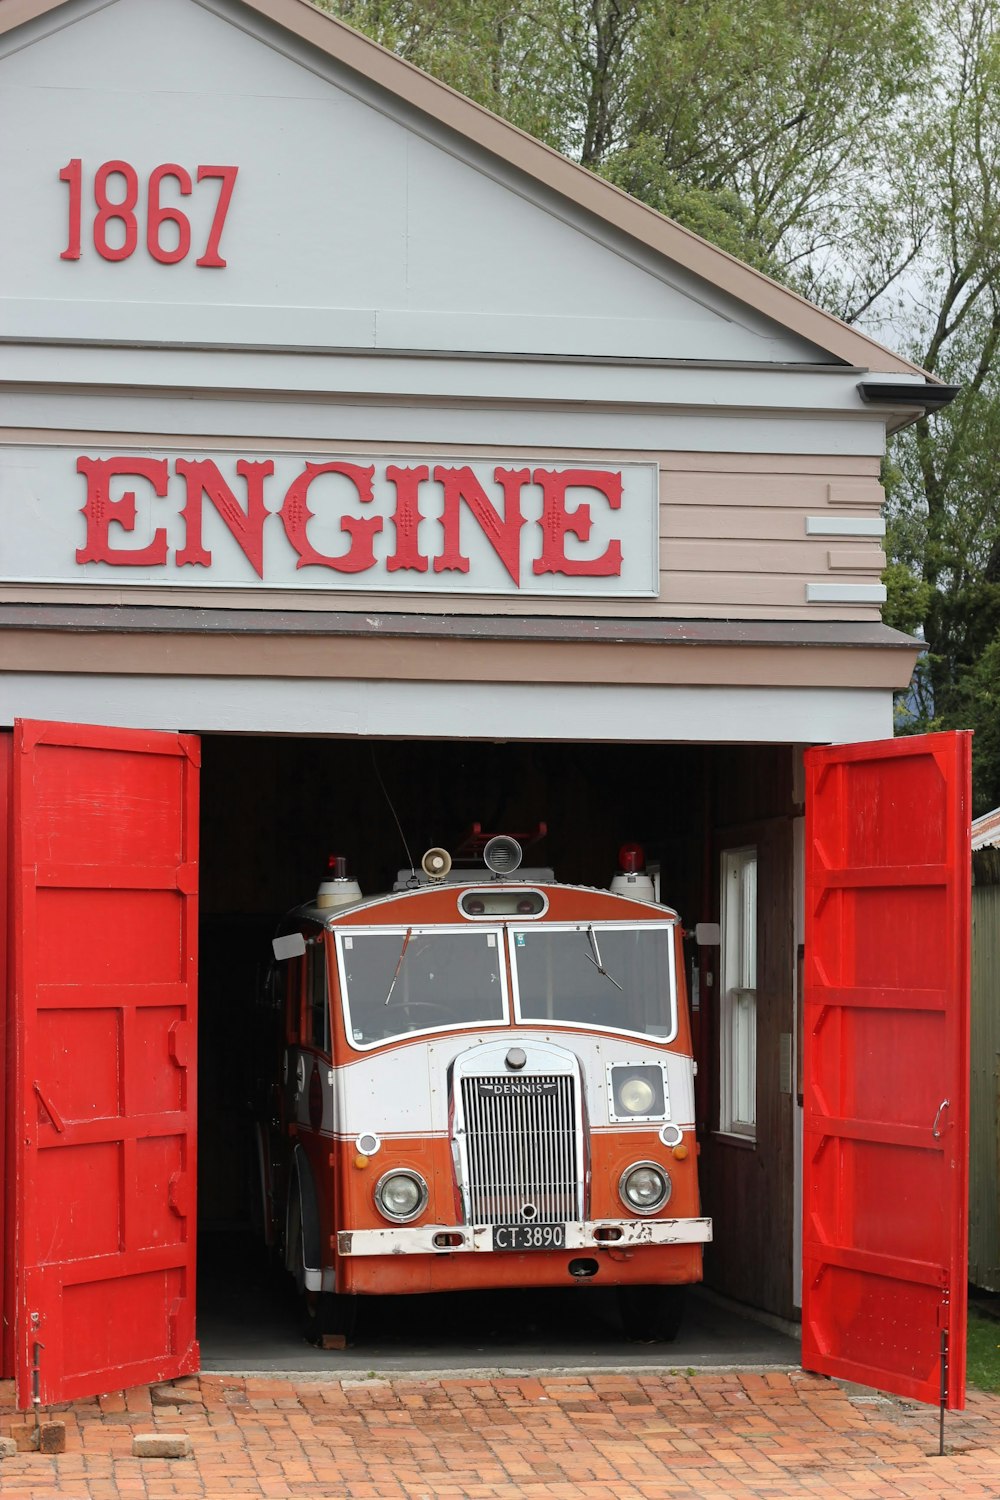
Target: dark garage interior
(273,809)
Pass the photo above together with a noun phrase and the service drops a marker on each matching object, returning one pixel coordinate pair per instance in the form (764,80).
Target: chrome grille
(521,1149)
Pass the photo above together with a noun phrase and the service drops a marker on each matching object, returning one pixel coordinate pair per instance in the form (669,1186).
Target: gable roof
(555,172)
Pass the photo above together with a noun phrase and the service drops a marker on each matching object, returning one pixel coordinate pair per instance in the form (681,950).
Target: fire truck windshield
(399,980)
(598,974)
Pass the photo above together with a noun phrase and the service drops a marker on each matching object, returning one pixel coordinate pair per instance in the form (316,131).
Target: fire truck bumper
(599,1234)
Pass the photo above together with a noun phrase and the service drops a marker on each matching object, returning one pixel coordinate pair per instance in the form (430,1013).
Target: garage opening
(102,880)
(274,809)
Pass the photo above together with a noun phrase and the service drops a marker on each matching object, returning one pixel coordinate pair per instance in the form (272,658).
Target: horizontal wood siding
(798,558)
(735,537)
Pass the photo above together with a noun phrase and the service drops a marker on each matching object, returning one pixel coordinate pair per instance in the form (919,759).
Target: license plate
(529,1236)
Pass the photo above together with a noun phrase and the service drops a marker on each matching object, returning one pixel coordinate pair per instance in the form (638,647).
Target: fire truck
(484,1080)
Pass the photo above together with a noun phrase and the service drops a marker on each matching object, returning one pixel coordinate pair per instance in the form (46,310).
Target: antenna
(385,794)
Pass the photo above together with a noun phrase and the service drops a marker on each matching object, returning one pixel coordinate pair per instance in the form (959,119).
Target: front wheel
(324,1315)
(329,1315)
(651,1314)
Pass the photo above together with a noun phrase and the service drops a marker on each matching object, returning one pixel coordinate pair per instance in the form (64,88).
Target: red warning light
(632,858)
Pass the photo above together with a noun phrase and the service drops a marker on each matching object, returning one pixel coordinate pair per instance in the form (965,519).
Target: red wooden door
(105,888)
(886,1063)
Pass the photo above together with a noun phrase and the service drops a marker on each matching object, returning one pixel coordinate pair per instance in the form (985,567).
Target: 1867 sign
(330,522)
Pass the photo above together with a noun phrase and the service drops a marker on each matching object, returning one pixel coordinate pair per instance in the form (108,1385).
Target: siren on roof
(632,879)
(336,887)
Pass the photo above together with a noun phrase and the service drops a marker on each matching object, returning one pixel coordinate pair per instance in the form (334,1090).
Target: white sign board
(328,521)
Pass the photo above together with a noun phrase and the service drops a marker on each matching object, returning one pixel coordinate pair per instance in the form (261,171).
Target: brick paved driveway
(575,1437)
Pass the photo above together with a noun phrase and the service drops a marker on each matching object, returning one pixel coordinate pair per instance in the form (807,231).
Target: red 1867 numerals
(116,223)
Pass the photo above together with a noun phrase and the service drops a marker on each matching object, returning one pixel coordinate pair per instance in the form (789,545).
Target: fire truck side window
(318,1012)
(293,1002)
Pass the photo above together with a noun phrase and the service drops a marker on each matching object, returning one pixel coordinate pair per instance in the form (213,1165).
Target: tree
(943,487)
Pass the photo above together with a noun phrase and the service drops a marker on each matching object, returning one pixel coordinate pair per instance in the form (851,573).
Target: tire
(322,1315)
(651,1314)
(328,1315)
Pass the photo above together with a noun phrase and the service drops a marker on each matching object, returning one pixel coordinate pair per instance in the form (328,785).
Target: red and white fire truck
(484,1080)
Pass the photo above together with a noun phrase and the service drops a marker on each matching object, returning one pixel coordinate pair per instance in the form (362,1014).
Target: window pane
(405,980)
(747,979)
(293,999)
(560,978)
(744,1041)
(738,1031)
(319,1016)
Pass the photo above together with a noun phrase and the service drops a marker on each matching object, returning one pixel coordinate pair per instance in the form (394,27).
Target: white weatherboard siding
(356,420)
(455,710)
(322,378)
(372,225)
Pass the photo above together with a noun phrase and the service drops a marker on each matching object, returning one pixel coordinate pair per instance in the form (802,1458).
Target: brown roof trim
(160,620)
(556,172)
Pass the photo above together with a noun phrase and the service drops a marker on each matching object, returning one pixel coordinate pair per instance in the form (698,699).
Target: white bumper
(456,1239)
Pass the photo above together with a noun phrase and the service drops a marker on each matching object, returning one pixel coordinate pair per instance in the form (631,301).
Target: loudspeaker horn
(436,863)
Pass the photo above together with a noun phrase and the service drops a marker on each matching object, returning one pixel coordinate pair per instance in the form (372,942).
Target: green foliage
(943,485)
(908,598)
(983,1353)
(717,214)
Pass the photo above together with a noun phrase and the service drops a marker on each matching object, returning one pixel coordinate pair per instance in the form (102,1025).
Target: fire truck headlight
(637,1096)
(644,1187)
(401,1196)
(638,1091)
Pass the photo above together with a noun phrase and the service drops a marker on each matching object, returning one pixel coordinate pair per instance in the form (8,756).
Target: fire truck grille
(521,1149)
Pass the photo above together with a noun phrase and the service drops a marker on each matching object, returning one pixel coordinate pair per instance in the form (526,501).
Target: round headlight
(401,1195)
(636,1095)
(644,1187)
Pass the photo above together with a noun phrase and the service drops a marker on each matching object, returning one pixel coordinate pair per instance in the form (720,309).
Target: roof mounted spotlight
(502,854)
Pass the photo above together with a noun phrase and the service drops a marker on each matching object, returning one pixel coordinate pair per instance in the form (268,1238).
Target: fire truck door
(886,1040)
(104,885)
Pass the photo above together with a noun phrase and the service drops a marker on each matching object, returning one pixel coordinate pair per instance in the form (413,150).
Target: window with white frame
(738,994)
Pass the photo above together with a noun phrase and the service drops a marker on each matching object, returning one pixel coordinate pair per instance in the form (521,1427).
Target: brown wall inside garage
(748,1187)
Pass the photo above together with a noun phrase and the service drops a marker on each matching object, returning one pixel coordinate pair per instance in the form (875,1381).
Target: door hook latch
(935,1132)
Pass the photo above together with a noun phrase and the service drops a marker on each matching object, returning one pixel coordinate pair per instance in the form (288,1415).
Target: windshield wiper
(399,963)
(597,961)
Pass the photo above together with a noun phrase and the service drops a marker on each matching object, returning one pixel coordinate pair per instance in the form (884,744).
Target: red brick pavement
(573,1437)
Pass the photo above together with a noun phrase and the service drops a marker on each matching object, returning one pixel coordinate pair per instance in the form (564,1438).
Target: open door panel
(886,1063)
(105,892)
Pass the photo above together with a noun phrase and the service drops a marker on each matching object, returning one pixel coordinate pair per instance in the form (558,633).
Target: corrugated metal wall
(984,1164)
